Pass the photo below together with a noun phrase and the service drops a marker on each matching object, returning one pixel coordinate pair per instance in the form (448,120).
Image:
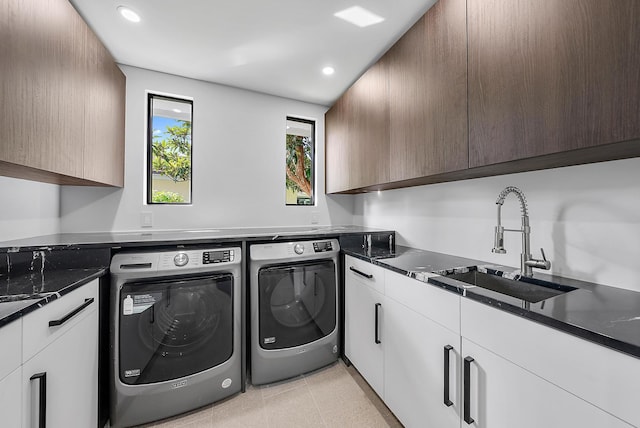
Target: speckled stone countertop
(604,315)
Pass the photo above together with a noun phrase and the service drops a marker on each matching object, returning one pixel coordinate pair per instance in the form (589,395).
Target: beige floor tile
(242,411)
(334,396)
(389,417)
(293,409)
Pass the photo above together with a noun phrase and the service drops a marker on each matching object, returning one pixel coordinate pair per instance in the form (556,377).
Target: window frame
(311,122)
(149,172)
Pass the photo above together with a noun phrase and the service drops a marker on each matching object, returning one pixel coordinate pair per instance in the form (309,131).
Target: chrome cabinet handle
(71,314)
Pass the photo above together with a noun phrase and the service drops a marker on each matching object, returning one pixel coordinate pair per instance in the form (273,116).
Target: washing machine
(294,308)
(175,336)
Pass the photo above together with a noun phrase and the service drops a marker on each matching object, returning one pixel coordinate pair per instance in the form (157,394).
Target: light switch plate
(146,219)
(315,216)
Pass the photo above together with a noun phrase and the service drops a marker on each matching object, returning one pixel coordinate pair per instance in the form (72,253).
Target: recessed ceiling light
(177,110)
(128,14)
(359,16)
(328,71)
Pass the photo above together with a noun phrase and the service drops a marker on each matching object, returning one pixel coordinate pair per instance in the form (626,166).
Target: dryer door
(171,328)
(297,303)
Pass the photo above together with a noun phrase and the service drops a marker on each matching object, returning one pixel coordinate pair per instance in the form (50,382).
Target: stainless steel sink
(520,289)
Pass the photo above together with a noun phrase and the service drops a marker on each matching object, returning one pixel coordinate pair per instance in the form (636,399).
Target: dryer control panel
(297,250)
(322,246)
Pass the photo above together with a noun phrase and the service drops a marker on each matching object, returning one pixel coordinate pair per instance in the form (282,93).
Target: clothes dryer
(294,308)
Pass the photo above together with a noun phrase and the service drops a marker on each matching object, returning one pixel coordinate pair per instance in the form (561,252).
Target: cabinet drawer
(38,333)
(438,305)
(10,347)
(365,273)
(599,375)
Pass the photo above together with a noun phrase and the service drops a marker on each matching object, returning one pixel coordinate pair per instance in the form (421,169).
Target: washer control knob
(181,259)
(298,248)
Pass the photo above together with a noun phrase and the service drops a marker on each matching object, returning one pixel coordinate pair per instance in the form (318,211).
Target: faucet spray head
(498,242)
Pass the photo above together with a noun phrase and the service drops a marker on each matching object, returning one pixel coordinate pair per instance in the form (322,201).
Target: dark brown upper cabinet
(337,160)
(552,76)
(369,128)
(428,95)
(357,134)
(62,109)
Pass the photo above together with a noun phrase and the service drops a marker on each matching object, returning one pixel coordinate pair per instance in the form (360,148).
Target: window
(300,169)
(169,150)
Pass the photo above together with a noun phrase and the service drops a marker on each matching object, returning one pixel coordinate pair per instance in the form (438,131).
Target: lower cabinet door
(500,394)
(364,341)
(10,399)
(421,369)
(65,375)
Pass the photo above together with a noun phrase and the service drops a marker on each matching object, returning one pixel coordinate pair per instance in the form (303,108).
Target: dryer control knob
(298,248)
(181,259)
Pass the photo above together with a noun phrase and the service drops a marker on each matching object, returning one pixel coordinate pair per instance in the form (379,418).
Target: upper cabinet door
(43,86)
(369,130)
(551,76)
(336,149)
(428,94)
(357,134)
(63,97)
(104,117)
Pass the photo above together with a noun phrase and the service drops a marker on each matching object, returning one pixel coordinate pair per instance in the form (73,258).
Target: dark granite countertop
(162,237)
(605,315)
(24,293)
(35,271)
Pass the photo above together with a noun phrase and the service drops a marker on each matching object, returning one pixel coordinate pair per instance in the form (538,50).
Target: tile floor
(335,396)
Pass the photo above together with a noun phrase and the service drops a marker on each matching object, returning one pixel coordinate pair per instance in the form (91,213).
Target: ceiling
(277,47)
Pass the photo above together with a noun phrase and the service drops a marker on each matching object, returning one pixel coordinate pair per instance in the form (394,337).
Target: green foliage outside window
(172,154)
(165,197)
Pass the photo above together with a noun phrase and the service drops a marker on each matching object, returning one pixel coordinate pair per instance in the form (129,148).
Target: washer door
(297,303)
(174,328)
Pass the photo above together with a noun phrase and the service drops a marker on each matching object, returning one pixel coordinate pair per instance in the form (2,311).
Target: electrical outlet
(315,216)
(146,219)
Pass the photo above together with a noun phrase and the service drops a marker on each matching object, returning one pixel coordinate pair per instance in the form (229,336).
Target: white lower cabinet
(501,394)
(402,353)
(11,399)
(503,371)
(364,312)
(59,380)
(594,374)
(416,375)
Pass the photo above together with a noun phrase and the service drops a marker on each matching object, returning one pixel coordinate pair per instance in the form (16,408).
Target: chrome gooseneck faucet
(527,263)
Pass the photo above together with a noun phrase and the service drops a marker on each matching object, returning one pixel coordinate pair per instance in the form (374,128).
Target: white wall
(587,218)
(28,209)
(238,164)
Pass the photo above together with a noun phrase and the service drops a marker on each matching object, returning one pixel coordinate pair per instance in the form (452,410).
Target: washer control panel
(217,256)
(181,259)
